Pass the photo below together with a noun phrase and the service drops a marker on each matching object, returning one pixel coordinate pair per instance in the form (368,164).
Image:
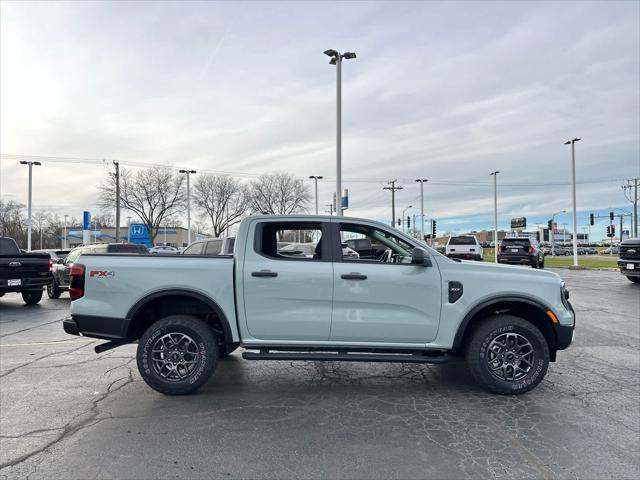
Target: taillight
(50,265)
(531,249)
(76,281)
(502,248)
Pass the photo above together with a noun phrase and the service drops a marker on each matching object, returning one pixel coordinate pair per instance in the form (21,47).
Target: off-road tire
(535,263)
(541,264)
(32,297)
(634,279)
(226,349)
(477,354)
(53,290)
(206,343)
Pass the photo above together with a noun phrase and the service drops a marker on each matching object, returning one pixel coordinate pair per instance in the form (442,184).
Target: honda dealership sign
(518,223)
(138,233)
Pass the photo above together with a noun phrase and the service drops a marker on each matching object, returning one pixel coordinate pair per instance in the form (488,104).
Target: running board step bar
(345,357)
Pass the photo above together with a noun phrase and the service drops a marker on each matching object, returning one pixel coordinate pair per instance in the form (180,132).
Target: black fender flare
(487,302)
(142,302)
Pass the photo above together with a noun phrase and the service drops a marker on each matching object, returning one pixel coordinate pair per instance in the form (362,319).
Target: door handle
(353,276)
(264,273)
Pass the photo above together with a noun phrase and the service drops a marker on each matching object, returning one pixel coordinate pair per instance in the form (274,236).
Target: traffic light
(399,222)
(591,219)
(611,216)
(408,222)
(433,228)
(608,230)
(613,230)
(550,224)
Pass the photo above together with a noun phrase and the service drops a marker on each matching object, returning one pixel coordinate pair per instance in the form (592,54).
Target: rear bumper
(516,259)
(465,256)
(629,272)
(32,283)
(107,328)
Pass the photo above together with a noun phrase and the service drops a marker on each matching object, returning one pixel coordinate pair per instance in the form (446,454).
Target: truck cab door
(288,293)
(383,300)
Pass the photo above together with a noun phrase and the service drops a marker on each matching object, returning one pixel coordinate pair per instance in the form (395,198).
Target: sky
(447,91)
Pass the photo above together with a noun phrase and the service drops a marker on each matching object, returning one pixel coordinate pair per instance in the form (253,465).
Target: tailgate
(516,248)
(14,270)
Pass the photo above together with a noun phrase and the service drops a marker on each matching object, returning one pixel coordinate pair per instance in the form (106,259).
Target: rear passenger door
(287,297)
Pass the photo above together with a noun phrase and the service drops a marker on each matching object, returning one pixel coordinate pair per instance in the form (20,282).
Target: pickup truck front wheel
(177,354)
(507,355)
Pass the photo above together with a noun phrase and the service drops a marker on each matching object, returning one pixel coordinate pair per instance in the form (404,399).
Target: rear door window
(213,247)
(194,249)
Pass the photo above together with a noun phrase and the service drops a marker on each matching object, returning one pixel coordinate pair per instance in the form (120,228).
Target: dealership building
(135,233)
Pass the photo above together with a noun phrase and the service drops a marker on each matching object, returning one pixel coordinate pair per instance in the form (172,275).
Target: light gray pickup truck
(410,304)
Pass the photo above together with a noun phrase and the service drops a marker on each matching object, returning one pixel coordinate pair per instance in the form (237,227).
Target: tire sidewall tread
(480,341)
(200,332)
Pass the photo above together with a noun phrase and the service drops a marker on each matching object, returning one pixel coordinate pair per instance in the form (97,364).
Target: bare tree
(279,194)
(13,222)
(152,194)
(223,199)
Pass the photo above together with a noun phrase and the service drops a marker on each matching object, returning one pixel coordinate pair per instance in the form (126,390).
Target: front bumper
(634,271)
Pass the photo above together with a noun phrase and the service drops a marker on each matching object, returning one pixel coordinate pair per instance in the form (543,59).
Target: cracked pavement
(66,412)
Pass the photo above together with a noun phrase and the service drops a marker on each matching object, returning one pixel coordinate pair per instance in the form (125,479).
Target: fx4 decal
(102,274)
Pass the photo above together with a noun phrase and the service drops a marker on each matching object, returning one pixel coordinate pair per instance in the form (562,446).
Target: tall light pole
(552,233)
(495,214)
(336,59)
(188,172)
(65,231)
(31,164)
(316,178)
(421,180)
(572,142)
(128,229)
(403,219)
(117,176)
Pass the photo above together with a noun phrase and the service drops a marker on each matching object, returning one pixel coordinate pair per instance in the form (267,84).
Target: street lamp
(31,164)
(316,178)
(551,234)
(188,172)
(422,181)
(403,212)
(573,188)
(495,214)
(65,231)
(336,59)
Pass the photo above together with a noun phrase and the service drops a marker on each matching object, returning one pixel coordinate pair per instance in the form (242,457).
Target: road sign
(518,222)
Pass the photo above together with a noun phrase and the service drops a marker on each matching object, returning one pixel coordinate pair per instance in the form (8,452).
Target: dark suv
(521,251)
(629,262)
(61,266)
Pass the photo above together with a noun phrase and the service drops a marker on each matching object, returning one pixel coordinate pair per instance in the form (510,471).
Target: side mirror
(420,257)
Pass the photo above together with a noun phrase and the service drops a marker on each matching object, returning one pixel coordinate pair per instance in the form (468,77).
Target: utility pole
(572,142)
(495,214)
(188,172)
(316,178)
(30,164)
(336,59)
(117,164)
(330,205)
(421,180)
(393,189)
(632,183)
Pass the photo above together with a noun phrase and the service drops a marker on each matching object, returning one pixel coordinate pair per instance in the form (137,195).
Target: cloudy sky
(448,91)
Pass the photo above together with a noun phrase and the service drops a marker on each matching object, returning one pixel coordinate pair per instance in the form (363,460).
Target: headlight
(564,295)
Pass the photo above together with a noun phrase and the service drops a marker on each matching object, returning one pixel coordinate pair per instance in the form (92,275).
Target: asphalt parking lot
(66,412)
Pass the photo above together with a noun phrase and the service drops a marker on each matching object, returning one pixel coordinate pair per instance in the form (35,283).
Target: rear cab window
(8,247)
(214,247)
(194,249)
(464,240)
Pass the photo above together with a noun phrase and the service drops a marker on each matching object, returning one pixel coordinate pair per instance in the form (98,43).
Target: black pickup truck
(25,273)
(629,262)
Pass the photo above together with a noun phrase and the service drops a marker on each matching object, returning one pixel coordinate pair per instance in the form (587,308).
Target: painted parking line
(59,342)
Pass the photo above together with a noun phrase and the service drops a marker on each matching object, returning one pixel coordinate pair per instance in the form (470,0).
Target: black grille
(630,252)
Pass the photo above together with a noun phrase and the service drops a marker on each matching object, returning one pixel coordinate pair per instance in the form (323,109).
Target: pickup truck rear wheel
(177,354)
(31,297)
(53,290)
(507,355)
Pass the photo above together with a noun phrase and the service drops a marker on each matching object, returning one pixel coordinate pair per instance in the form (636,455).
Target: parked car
(629,262)
(24,273)
(63,266)
(610,251)
(560,251)
(413,305)
(464,247)
(55,254)
(521,251)
(590,251)
(308,250)
(213,246)
(164,249)
(365,248)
